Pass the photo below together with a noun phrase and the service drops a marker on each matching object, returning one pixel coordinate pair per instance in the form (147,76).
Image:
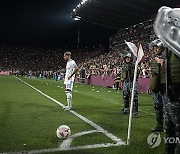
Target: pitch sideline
(114,138)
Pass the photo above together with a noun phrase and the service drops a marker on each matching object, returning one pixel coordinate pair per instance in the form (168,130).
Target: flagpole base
(128,141)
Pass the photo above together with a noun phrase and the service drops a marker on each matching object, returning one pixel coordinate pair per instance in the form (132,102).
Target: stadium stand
(38,61)
(134,22)
(50,64)
(95,62)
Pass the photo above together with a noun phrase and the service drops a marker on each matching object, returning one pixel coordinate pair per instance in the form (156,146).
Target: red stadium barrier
(109,81)
(4,72)
(101,81)
(143,84)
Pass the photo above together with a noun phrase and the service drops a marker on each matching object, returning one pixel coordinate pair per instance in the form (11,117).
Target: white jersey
(69,70)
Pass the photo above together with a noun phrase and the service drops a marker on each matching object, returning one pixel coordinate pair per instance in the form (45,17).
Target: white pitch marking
(66,143)
(94,146)
(83,133)
(99,128)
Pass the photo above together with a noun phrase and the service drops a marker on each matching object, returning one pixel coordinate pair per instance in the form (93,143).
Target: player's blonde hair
(67,53)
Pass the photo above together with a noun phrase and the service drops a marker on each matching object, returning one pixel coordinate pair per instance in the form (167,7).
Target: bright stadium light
(80,4)
(83,2)
(74,10)
(77,18)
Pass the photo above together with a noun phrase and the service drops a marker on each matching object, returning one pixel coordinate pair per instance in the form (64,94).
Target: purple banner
(143,84)
(109,81)
(101,81)
(4,72)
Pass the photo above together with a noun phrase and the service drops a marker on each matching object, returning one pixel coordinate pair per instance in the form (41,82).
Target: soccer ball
(63,132)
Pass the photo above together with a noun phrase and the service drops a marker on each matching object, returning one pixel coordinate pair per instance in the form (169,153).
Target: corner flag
(139,55)
(132,47)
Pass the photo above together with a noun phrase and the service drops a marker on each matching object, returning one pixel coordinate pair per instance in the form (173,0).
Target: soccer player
(71,69)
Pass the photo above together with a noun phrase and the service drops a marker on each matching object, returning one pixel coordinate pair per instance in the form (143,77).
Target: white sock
(69,99)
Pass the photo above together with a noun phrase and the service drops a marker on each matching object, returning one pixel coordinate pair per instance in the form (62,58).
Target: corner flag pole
(132,99)
(131,107)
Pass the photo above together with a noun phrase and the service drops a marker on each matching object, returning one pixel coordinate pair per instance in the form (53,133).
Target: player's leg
(69,99)
(69,87)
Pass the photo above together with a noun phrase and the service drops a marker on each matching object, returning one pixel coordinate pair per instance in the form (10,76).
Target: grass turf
(28,120)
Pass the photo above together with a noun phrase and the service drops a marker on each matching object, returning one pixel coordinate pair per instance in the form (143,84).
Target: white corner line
(114,138)
(67,143)
(93,146)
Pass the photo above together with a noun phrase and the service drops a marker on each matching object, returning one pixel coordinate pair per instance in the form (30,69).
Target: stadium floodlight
(78,5)
(77,18)
(74,10)
(83,2)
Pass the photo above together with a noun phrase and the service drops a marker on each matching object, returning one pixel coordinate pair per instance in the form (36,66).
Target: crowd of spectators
(21,58)
(106,64)
(141,33)
(39,62)
(50,64)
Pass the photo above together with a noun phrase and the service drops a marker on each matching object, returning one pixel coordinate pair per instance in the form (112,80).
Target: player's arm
(74,72)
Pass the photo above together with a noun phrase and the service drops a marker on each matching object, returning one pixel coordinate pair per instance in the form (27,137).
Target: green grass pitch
(28,120)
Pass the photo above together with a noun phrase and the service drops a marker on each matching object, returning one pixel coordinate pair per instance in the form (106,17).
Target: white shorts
(69,85)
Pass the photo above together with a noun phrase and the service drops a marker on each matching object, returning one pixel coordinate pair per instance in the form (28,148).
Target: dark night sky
(46,23)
